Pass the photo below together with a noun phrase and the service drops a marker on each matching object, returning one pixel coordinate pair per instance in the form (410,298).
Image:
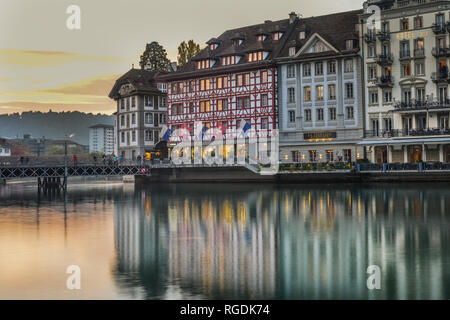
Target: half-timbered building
(233,79)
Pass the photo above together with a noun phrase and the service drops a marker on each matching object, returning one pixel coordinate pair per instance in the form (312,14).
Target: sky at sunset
(44,65)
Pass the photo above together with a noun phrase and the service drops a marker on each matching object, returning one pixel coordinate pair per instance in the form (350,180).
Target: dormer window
(292,51)
(213,46)
(204,64)
(255,56)
(261,37)
(277,36)
(226,61)
(237,42)
(348,44)
(302,35)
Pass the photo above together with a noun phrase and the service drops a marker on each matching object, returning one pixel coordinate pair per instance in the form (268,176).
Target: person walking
(95,159)
(75,160)
(104,159)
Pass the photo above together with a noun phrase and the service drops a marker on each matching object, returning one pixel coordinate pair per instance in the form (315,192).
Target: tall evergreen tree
(154,58)
(186,51)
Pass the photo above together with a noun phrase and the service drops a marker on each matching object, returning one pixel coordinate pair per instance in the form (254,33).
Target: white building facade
(101,139)
(406,80)
(5,151)
(320,92)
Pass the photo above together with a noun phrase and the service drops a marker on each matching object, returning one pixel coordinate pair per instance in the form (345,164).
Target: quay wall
(242,174)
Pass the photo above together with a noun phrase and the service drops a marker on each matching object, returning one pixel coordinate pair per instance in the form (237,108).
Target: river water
(226,241)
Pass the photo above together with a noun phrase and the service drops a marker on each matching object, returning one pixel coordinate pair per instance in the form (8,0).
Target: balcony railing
(384,59)
(439,28)
(440,52)
(440,76)
(384,81)
(419,53)
(422,105)
(384,36)
(405,54)
(399,133)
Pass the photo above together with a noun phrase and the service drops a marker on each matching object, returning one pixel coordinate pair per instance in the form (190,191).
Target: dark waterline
(226,241)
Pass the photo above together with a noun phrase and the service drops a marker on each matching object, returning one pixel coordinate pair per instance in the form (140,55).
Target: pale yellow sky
(44,65)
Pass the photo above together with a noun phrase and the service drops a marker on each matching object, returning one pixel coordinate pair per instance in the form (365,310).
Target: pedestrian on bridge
(75,160)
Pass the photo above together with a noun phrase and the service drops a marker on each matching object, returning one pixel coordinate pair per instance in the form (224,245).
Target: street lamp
(65,147)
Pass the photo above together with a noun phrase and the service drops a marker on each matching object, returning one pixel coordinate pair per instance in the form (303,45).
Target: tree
(154,58)
(186,51)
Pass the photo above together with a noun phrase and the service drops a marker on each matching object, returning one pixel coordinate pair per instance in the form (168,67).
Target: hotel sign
(412,35)
(322,135)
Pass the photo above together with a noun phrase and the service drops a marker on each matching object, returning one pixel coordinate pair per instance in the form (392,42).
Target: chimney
(292,17)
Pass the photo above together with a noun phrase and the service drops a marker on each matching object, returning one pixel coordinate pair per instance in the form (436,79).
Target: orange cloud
(107,107)
(35,58)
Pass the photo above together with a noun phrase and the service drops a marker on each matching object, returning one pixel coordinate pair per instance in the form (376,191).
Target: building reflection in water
(290,242)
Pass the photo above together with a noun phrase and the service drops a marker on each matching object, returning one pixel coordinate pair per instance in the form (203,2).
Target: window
(420,68)
(255,56)
(302,35)
(180,108)
(319,93)
(371,51)
(148,101)
(329,155)
(292,51)
(307,94)
(133,136)
(348,65)
(420,94)
(406,70)
(347,155)
(319,113)
(291,116)
(205,106)
(191,107)
(387,122)
(264,100)
(133,102)
(372,73)
(349,90)
(295,156)
(243,102)
(331,67)
(349,44)
(243,79)
(349,112)
(291,95)
(148,117)
(387,95)
(373,96)
(204,84)
(308,116)
(312,155)
(133,118)
(122,137)
(264,77)
(291,71)
(277,36)
(222,104)
(222,82)
(226,61)
(148,135)
(332,92)
(122,104)
(122,120)
(404,24)
(307,70)
(264,123)
(332,114)
(319,68)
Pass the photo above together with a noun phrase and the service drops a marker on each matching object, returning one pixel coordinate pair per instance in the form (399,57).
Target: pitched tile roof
(142,80)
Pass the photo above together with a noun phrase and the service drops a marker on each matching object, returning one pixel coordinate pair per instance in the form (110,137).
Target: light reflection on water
(227,241)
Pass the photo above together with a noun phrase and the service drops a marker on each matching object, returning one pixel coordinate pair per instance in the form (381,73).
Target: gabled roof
(332,29)
(139,79)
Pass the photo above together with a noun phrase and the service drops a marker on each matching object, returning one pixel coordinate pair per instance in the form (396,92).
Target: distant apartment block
(101,139)
(5,151)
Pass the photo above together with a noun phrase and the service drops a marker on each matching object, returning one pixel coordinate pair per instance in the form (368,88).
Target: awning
(404,141)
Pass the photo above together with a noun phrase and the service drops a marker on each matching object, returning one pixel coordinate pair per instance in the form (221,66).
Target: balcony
(384,60)
(405,54)
(370,38)
(439,28)
(417,105)
(419,53)
(384,36)
(441,76)
(384,81)
(398,133)
(440,52)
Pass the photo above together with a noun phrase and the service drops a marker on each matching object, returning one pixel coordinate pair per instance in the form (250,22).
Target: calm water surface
(231,241)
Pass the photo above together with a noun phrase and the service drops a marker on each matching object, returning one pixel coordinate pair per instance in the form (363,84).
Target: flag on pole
(245,127)
(165,133)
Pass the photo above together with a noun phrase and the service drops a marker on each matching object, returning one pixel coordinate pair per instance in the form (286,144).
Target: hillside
(51,125)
